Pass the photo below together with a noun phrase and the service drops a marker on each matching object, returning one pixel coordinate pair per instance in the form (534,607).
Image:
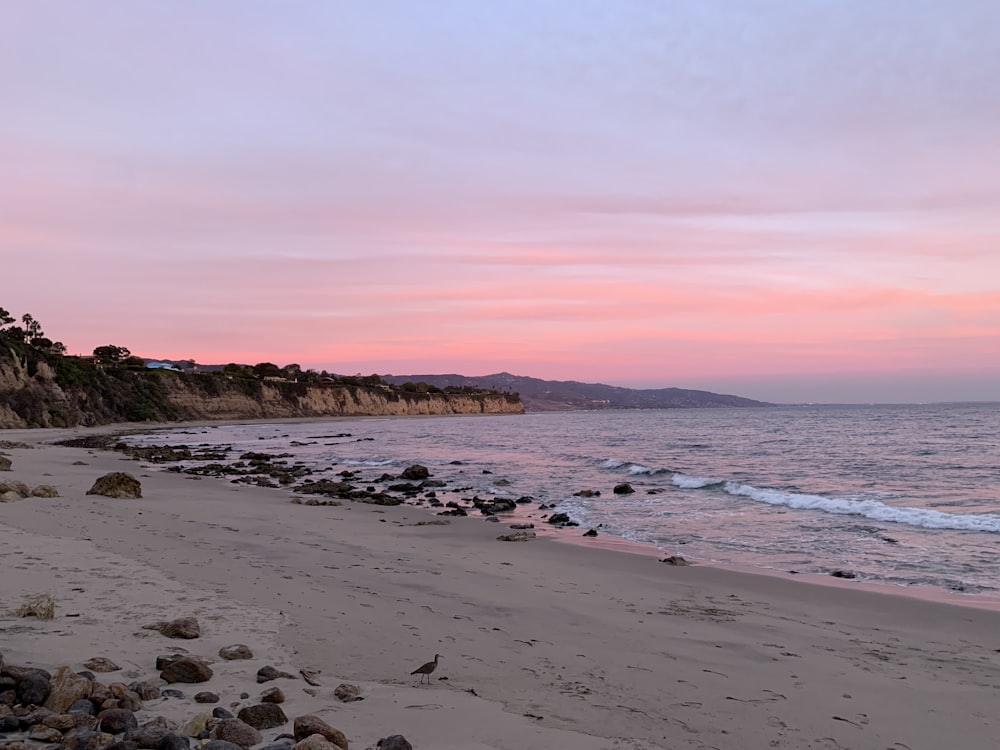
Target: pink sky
(788,200)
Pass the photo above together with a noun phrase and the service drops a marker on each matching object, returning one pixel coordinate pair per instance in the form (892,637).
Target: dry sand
(544,645)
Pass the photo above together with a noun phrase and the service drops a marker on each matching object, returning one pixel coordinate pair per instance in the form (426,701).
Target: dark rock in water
(415,472)
(206,697)
(236,731)
(591,532)
(182,627)
(675,560)
(561,519)
(83,706)
(117,484)
(220,713)
(33,689)
(623,489)
(347,693)
(173,741)
(268,673)
(116,720)
(456,511)
(308,725)
(844,574)
(404,487)
(587,493)
(525,500)
(263,716)
(186,670)
(395,742)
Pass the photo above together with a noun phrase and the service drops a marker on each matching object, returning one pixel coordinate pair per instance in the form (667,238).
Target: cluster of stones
(13,491)
(77,711)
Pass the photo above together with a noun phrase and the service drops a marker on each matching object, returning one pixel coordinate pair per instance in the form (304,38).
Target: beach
(543,644)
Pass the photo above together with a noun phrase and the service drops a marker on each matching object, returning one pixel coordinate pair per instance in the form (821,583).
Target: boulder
(42,733)
(9,497)
(117,484)
(237,651)
(268,673)
(415,472)
(67,687)
(147,690)
(559,518)
(67,722)
(5,463)
(45,490)
(347,693)
(149,734)
(206,697)
(308,725)
(263,716)
(272,695)
(85,738)
(317,742)
(197,725)
(591,532)
(116,721)
(675,560)
(395,742)
(220,745)
(623,489)
(517,536)
(221,713)
(33,689)
(20,488)
(236,731)
(186,670)
(182,627)
(173,741)
(84,706)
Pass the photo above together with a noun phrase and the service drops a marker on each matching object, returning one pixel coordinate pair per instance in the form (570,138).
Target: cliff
(44,390)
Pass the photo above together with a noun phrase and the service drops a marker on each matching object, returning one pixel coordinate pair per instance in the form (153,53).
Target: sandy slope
(611,650)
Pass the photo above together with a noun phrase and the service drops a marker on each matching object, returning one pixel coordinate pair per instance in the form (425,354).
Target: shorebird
(426,669)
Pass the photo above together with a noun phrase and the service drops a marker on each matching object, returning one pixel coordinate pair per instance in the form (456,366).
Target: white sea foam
(640,469)
(612,464)
(873,509)
(686,482)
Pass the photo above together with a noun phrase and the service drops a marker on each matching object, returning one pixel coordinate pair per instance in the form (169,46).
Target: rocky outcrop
(117,484)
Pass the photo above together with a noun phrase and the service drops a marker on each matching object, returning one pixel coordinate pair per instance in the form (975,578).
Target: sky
(789,200)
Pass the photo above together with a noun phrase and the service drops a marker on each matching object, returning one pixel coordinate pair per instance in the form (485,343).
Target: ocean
(907,496)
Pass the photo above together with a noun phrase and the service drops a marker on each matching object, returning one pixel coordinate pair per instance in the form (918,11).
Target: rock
(171,693)
(587,493)
(272,695)
(124,697)
(67,722)
(562,519)
(268,673)
(117,721)
(623,489)
(148,690)
(221,713)
(317,742)
(308,725)
(67,687)
(279,744)
(236,731)
(522,526)
(238,651)
(117,484)
(5,463)
(395,742)
(347,693)
(85,738)
(197,724)
(84,706)
(149,734)
(844,574)
(20,488)
(415,472)
(100,664)
(9,724)
(675,560)
(173,741)
(186,670)
(517,536)
(33,689)
(45,490)
(182,627)
(263,716)
(591,532)
(206,697)
(42,733)
(220,745)
(9,497)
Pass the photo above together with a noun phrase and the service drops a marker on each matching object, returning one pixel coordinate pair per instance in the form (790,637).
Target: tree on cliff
(111,354)
(266,370)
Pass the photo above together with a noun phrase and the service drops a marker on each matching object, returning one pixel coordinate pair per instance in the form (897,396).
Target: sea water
(905,495)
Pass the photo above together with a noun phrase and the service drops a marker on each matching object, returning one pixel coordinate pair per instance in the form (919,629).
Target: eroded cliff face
(276,401)
(31,396)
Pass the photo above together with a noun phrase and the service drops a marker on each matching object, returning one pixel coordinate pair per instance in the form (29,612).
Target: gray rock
(121,745)
(347,693)
(148,735)
(5,463)
(236,731)
(236,651)
(263,716)
(100,664)
(67,688)
(85,738)
(395,742)
(220,713)
(415,472)
(624,489)
(206,697)
(33,689)
(268,673)
(272,695)
(147,690)
(308,725)
(84,707)
(45,490)
(173,741)
(317,742)
(117,721)
(182,627)
(220,745)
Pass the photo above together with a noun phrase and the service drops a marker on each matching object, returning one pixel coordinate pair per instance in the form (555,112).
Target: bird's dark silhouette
(426,669)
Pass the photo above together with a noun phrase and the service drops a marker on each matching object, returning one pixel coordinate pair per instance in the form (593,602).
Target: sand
(544,644)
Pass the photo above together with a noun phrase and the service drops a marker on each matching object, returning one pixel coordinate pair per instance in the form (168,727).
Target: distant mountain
(563,395)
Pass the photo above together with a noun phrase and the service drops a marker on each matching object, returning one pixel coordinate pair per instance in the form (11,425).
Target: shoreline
(604,643)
